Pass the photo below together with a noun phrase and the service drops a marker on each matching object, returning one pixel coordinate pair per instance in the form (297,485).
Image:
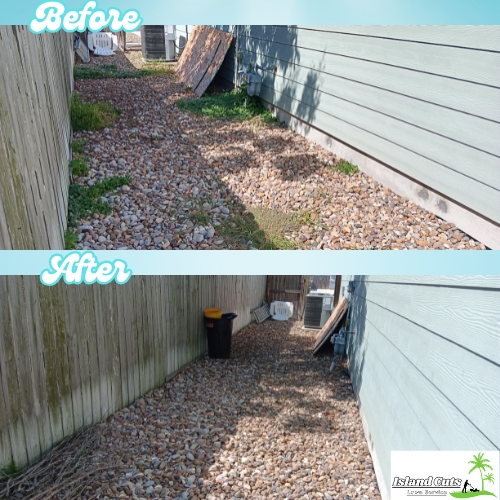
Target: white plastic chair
(102,44)
(281,311)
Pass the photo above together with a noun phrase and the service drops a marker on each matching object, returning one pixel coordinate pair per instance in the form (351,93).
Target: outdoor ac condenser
(319,306)
(169,42)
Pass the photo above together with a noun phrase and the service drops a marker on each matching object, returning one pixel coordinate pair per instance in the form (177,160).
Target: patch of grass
(78,145)
(112,71)
(265,228)
(78,166)
(85,201)
(233,105)
(346,168)
(91,116)
(70,239)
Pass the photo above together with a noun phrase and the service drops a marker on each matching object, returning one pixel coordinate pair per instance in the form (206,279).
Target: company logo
(52,17)
(443,473)
(481,465)
(76,268)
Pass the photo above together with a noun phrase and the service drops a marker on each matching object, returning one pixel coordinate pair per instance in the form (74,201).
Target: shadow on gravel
(274,385)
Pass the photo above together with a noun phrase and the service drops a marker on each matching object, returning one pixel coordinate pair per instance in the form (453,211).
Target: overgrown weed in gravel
(78,145)
(79,166)
(233,105)
(70,239)
(91,116)
(112,71)
(85,201)
(198,215)
(345,167)
(264,228)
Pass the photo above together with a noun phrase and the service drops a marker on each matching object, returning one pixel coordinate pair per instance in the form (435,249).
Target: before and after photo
(130,377)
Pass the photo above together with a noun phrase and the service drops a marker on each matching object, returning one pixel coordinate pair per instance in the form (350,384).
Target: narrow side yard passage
(200,183)
(271,422)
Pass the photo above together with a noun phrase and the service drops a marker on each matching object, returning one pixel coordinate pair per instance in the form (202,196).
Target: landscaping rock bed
(195,179)
(271,422)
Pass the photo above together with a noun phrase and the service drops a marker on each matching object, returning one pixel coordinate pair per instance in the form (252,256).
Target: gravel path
(190,174)
(271,422)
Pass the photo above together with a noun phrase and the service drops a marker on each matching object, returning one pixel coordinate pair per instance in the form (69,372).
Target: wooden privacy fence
(72,355)
(35,89)
(289,289)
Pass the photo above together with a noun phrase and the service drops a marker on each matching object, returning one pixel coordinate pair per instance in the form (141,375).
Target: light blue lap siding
(423,100)
(425,362)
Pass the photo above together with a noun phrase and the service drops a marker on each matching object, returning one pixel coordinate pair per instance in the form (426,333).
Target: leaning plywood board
(330,325)
(202,57)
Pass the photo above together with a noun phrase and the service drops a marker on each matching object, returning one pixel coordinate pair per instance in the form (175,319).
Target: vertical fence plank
(71,306)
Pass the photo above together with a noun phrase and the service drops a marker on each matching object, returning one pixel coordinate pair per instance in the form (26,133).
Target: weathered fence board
(35,132)
(72,355)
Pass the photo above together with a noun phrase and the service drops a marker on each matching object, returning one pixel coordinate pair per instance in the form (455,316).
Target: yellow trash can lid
(213,313)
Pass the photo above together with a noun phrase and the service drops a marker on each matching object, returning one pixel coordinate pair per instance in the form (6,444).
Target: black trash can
(219,331)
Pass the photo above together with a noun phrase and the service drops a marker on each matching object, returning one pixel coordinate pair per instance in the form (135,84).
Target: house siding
(425,363)
(424,101)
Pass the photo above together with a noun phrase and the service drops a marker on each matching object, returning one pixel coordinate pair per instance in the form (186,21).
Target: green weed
(346,168)
(78,166)
(85,201)
(310,218)
(234,105)
(91,116)
(70,239)
(78,145)
(112,71)
(265,228)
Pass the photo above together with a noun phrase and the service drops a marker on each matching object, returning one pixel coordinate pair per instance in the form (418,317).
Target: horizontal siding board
(444,427)
(473,281)
(429,345)
(473,37)
(410,402)
(405,103)
(469,192)
(452,62)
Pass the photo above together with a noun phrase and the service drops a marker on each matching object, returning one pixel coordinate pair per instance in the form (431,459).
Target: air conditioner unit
(319,306)
(169,42)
